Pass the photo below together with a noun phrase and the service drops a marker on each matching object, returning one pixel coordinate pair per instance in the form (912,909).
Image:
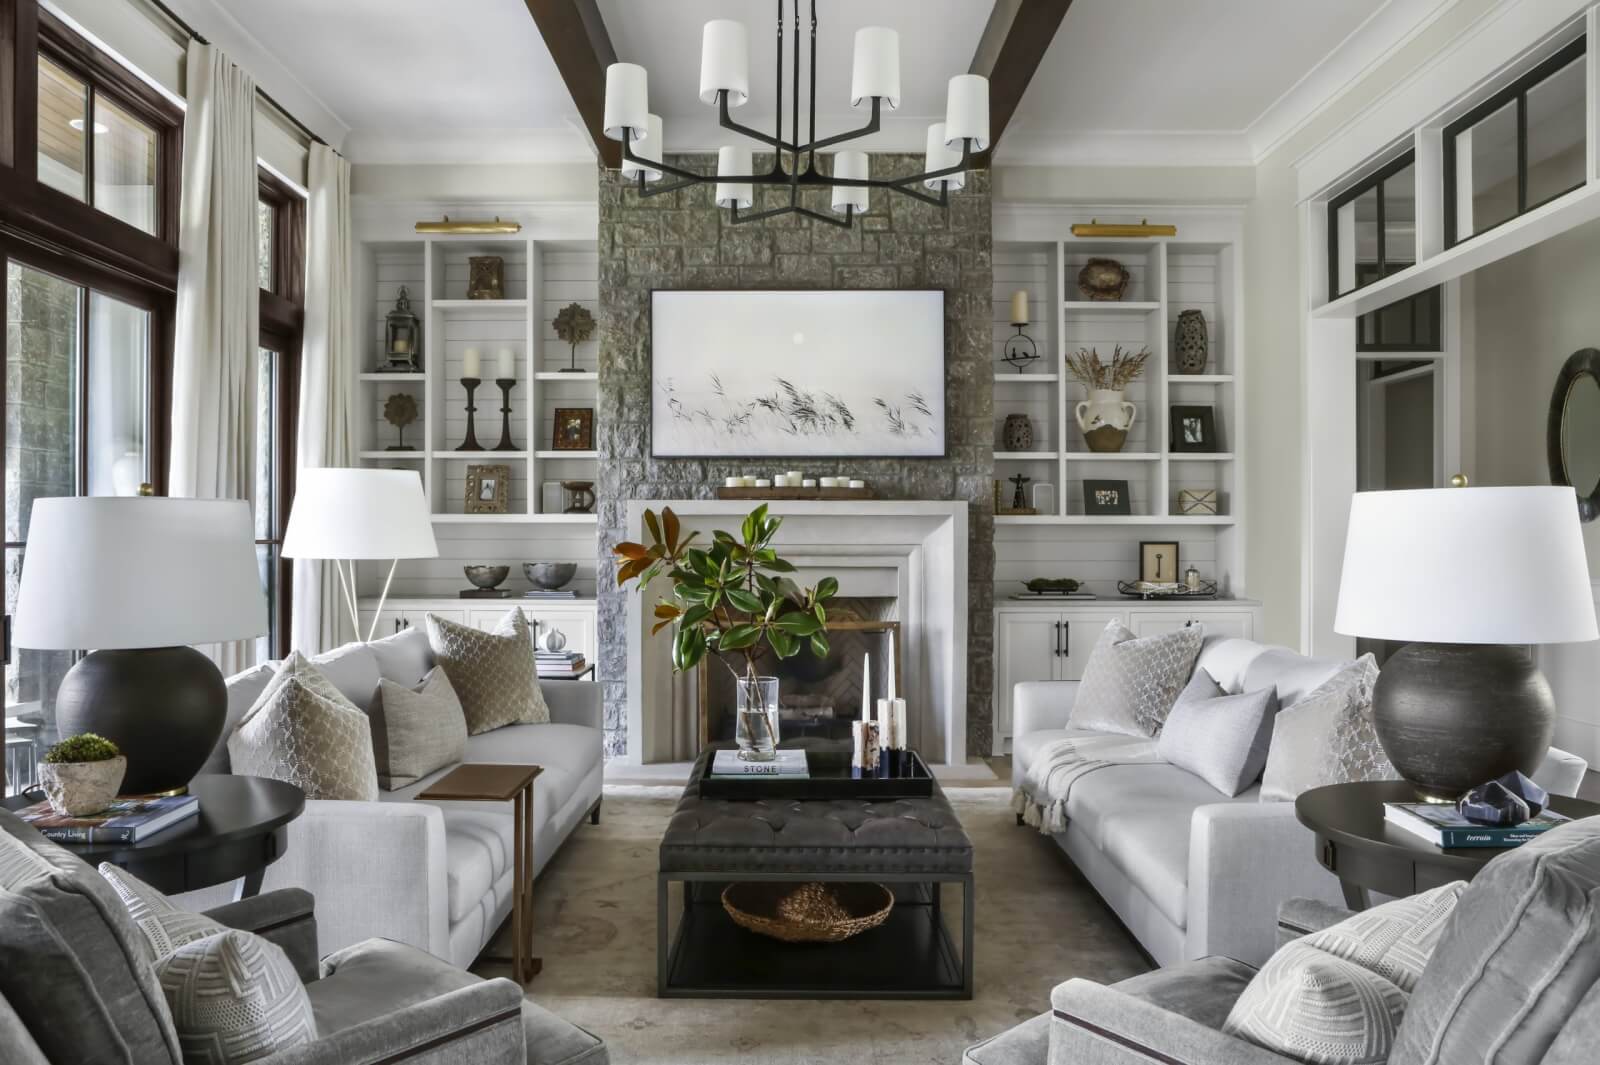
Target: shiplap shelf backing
(1166,278)
(540,278)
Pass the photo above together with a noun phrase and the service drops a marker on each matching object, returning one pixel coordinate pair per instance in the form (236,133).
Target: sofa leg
(1020,822)
(594,811)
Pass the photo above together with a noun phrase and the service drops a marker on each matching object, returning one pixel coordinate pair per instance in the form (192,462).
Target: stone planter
(1105,418)
(77,789)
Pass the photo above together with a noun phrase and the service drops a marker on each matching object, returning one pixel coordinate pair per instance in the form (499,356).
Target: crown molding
(476,147)
(1108,147)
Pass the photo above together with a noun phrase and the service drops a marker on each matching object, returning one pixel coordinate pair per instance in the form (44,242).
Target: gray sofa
(1513,981)
(435,876)
(1189,870)
(76,984)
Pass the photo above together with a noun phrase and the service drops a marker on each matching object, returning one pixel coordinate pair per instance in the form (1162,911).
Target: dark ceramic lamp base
(165,707)
(1452,716)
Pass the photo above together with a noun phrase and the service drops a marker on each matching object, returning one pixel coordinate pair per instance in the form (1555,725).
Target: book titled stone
(787,764)
(1444,827)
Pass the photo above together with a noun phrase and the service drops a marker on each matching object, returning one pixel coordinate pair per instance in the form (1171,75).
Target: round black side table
(240,830)
(1368,854)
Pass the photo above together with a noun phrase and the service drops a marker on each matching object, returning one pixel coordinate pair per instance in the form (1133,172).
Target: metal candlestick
(506,385)
(471,442)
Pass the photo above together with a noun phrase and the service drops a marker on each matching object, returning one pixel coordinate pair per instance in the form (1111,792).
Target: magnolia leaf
(631,550)
(653,525)
(695,614)
(819,644)
(749,528)
(670,521)
(827,588)
(820,614)
(667,610)
(630,569)
(779,565)
(785,645)
(746,601)
(739,637)
(658,626)
(798,624)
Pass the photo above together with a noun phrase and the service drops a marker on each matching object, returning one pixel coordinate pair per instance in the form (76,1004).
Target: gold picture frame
(488,489)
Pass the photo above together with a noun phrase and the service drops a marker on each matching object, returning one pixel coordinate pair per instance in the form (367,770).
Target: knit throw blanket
(1042,799)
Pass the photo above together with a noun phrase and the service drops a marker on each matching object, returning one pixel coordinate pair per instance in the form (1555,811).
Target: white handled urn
(1105,418)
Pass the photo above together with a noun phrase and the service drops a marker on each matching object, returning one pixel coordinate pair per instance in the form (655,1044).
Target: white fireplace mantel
(913,550)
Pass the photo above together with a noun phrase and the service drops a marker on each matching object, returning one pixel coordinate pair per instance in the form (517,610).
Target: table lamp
(135,581)
(1472,577)
(346,515)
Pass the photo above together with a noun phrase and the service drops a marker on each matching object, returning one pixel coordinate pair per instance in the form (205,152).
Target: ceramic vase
(1105,418)
(77,789)
(1017,435)
(1190,343)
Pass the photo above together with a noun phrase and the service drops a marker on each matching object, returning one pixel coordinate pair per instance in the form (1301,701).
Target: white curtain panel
(213,383)
(327,426)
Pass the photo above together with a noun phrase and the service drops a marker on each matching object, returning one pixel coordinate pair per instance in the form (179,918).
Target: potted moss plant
(81,774)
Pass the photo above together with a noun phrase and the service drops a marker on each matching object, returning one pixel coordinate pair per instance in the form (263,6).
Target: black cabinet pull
(1066,639)
(1058,639)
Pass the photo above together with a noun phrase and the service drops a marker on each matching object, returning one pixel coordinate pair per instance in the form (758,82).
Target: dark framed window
(1411,324)
(1372,233)
(1521,148)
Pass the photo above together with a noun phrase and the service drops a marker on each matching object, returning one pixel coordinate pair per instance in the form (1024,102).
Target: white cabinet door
(1025,648)
(1231,623)
(1080,631)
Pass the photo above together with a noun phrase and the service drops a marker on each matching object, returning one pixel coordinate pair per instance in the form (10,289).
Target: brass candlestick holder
(471,442)
(506,384)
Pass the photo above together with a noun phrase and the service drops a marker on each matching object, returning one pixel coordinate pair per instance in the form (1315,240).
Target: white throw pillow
(165,926)
(1130,683)
(235,998)
(1220,738)
(493,672)
(304,732)
(1327,738)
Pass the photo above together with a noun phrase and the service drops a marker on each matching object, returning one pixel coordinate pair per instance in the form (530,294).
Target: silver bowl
(486,576)
(549,575)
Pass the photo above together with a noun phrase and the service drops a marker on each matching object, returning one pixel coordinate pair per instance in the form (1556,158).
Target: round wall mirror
(1573,434)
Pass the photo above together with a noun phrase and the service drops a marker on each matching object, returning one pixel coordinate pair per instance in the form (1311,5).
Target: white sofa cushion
(353,669)
(1222,739)
(1328,737)
(1130,682)
(405,657)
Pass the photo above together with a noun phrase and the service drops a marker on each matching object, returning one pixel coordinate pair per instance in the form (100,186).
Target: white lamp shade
(851,165)
(875,69)
(649,148)
(724,62)
(1466,565)
(627,100)
(114,573)
(359,514)
(732,159)
(939,155)
(966,114)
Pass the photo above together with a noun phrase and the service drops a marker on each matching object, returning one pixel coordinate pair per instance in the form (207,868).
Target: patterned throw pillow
(302,731)
(1337,997)
(235,998)
(165,926)
(416,732)
(1327,738)
(492,672)
(1129,684)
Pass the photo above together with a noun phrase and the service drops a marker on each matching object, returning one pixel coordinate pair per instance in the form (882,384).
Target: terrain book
(788,764)
(129,819)
(1444,827)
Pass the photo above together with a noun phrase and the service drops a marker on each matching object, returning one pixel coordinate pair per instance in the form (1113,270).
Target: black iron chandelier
(725,84)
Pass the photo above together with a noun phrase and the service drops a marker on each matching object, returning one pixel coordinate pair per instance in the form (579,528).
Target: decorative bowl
(77,789)
(549,575)
(486,576)
(808,913)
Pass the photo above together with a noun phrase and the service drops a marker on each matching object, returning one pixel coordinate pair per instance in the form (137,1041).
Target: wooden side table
(514,784)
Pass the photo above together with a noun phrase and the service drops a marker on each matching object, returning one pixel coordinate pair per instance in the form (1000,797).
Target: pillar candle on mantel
(1019,307)
(890,679)
(470,364)
(866,687)
(505,365)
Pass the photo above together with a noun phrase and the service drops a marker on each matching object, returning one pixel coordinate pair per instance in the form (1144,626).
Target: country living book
(129,819)
(1444,827)
(788,764)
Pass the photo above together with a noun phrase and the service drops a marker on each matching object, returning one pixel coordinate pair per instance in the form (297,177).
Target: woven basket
(808,913)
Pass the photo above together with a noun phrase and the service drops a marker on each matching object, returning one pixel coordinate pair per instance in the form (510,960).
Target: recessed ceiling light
(99,127)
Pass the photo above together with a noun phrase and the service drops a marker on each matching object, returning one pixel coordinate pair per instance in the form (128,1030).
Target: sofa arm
(1097,1025)
(1302,917)
(376,869)
(285,917)
(1246,859)
(1037,705)
(572,702)
(1561,773)
(481,1024)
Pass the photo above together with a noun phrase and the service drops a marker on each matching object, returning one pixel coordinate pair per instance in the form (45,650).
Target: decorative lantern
(402,338)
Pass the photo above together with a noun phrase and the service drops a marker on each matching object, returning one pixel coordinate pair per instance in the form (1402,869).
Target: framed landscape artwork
(835,374)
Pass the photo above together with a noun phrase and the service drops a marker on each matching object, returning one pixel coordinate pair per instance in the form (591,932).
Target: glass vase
(756,730)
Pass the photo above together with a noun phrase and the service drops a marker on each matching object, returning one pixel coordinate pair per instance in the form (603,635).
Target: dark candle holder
(506,384)
(471,442)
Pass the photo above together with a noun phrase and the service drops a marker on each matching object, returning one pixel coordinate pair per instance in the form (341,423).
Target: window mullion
(1522,152)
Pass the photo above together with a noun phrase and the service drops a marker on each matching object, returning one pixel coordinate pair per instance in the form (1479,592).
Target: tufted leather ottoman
(915,846)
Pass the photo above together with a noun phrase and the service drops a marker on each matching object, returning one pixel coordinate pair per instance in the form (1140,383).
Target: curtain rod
(264,94)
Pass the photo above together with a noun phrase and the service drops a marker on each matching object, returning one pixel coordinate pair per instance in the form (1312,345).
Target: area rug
(1037,924)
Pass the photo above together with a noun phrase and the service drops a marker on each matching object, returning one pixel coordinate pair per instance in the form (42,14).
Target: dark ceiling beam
(576,36)
(1013,45)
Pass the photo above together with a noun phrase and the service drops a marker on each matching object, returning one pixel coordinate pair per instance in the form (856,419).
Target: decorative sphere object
(549,575)
(552,640)
(1511,800)
(1191,345)
(1017,435)
(486,576)
(1103,280)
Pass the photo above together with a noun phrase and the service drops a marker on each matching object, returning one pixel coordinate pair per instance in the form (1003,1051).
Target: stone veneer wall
(682,240)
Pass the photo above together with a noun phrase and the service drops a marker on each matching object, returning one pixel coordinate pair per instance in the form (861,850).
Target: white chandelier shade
(875,70)
(649,151)
(967,112)
(732,159)
(853,166)
(941,156)
(725,62)
(627,101)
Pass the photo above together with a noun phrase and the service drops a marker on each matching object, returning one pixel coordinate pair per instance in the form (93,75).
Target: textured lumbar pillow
(1220,738)
(302,731)
(492,672)
(416,731)
(1129,684)
(1327,738)
(165,926)
(234,998)
(1337,997)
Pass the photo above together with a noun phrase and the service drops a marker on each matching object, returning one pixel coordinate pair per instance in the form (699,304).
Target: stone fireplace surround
(912,550)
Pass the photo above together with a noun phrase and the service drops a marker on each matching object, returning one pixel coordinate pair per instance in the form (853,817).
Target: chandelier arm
(777,110)
(811,129)
(658,164)
(842,223)
(941,200)
(794,103)
(728,123)
(772,212)
(870,128)
(932,175)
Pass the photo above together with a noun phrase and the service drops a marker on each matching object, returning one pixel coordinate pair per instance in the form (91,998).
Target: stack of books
(129,819)
(542,593)
(560,663)
(1444,827)
(789,764)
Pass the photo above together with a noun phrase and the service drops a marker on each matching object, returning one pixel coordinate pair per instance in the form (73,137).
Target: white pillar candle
(736,161)
(731,482)
(939,156)
(886,724)
(646,145)
(469,363)
(858,484)
(809,482)
(795,478)
(1019,307)
(505,368)
(724,62)
(900,742)
(852,165)
(763,482)
(875,67)
(627,100)
(966,112)
(889,683)
(830,482)
(866,686)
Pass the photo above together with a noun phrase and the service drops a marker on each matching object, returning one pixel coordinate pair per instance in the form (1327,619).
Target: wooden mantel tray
(794,493)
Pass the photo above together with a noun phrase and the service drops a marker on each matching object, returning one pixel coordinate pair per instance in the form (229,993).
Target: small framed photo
(488,489)
(1158,561)
(1106,497)
(552,500)
(1194,428)
(574,429)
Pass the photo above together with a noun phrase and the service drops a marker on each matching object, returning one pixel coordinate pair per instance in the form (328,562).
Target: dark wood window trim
(288,237)
(1517,91)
